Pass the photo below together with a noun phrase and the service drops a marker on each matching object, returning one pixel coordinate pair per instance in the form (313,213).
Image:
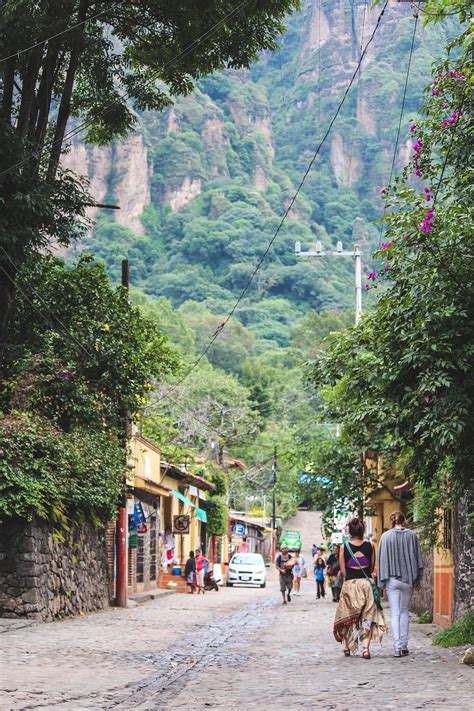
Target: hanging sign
(138,514)
(142,528)
(181,524)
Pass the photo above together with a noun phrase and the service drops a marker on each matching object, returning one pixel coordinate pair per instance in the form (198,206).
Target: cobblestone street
(238,648)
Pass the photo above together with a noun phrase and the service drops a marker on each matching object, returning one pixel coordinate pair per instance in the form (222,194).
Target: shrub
(458,634)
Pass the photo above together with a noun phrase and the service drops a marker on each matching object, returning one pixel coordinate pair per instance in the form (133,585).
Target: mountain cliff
(202,186)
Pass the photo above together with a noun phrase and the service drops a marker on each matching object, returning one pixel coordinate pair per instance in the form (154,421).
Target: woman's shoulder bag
(375,590)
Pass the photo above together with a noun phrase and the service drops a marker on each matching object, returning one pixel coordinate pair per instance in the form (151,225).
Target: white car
(246,569)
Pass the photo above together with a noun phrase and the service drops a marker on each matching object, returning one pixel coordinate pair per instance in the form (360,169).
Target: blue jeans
(399,596)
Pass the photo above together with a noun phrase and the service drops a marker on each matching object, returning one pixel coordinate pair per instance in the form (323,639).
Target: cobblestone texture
(238,648)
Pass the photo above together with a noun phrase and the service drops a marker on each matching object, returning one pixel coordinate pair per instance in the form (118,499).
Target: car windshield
(247,559)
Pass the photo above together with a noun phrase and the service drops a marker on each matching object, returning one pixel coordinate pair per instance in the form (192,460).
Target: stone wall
(423,599)
(463,551)
(44,578)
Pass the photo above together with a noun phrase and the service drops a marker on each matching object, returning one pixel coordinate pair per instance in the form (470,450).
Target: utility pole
(274,471)
(121,526)
(356,254)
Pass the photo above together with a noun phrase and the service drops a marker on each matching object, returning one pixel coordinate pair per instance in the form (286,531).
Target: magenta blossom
(412,128)
(372,275)
(426,225)
(367,286)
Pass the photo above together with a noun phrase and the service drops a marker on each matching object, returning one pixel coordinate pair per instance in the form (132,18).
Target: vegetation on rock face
(225,161)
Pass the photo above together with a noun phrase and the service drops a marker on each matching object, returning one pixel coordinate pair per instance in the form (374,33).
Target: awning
(183,498)
(201,515)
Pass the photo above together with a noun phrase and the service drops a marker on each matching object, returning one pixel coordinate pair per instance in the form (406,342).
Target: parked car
(291,539)
(246,569)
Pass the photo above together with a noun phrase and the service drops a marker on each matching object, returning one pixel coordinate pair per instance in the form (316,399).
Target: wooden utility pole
(274,470)
(121,526)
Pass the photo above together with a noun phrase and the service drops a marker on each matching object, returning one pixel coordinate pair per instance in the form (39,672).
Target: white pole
(358,283)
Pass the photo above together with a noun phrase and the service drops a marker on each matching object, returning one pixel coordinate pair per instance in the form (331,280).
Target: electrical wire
(351,145)
(221,327)
(402,108)
(126,96)
(59,34)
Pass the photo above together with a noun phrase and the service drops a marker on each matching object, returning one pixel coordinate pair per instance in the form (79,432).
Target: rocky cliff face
(255,131)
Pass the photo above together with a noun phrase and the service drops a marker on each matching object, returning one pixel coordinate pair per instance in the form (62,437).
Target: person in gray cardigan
(400,570)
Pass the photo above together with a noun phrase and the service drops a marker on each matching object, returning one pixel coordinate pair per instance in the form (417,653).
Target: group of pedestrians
(195,570)
(359,618)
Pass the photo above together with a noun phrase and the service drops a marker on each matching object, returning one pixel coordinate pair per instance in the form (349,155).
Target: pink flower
(372,275)
(367,286)
(412,128)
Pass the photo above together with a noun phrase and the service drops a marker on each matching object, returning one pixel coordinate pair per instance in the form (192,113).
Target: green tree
(403,375)
(100,66)
(81,359)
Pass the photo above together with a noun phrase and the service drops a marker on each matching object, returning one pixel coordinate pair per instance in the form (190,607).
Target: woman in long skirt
(358,620)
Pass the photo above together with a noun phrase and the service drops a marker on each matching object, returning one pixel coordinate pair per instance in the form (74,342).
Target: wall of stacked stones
(46,575)
(464,554)
(423,599)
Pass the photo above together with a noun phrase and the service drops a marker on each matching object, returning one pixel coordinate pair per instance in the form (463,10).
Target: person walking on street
(284,563)
(243,546)
(314,548)
(299,570)
(358,618)
(201,563)
(400,571)
(190,572)
(319,575)
(333,570)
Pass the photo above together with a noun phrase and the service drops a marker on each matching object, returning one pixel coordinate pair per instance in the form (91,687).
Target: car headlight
(259,571)
(232,570)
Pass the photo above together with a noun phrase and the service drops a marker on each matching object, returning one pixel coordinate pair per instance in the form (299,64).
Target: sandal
(347,652)
(365,654)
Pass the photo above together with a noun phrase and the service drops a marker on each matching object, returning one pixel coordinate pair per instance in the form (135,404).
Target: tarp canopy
(183,498)
(201,515)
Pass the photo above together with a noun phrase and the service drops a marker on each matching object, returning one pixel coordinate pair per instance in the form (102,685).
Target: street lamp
(339,252)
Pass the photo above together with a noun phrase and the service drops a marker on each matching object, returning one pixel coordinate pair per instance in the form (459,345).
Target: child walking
(319,566)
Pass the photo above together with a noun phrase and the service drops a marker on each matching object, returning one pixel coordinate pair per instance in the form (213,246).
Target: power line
(351,146)
(126,96)
(58,34)
(402,108)
(221,327)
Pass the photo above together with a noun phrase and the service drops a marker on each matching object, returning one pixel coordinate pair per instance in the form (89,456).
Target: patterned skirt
(357,617)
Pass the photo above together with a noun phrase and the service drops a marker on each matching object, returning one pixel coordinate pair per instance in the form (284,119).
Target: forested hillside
(205,183)
(201,189)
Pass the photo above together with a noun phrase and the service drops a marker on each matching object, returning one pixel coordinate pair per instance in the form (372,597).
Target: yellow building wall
(144,461)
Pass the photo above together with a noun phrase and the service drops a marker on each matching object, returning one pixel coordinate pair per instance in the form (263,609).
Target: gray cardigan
(399,557)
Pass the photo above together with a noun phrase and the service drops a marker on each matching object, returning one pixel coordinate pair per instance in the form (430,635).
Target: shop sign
(238,529)
(142,528)
(193,491)
(138,514)
(181,524)
(133,540)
